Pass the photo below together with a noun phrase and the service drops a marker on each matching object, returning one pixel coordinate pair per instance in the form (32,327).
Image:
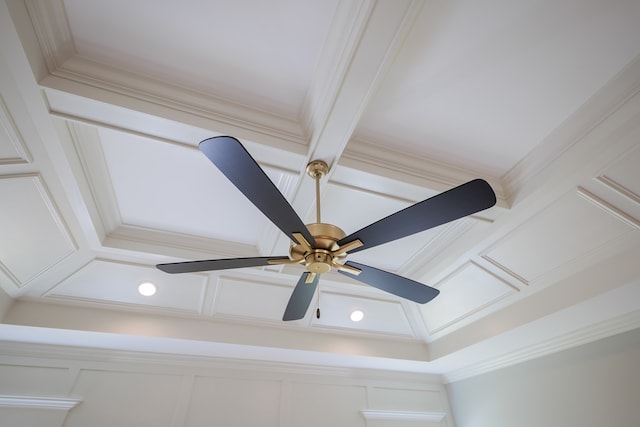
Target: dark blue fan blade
(215,264)
(301,298)
(392,283)
(466,199)
(235,162)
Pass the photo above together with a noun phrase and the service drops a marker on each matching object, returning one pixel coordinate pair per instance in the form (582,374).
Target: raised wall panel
(12,146)
(33,380)
(32,417)
(124,398)
(402,399)
(234,403)
(253,299)
(117,283)
(319,405)
(562,232)
(462,293)
(27,219)
(379,315)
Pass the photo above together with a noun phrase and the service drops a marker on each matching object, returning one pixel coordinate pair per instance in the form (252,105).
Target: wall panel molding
(35,402)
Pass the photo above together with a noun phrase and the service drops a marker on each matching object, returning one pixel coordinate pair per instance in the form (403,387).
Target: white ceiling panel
(481,84)
(468,289)
(352,209)
(251,299)
(173,187)
(117,283)
(379,315)
(562,232)
(242,50)
(27,219)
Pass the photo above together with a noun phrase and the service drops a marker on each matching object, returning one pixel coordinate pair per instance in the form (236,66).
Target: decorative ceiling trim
(101,82)
(44,353)
(74,74)
(346,30)
(85,143)
(61,225)
(376,158)
(593,332)
(175,245)
(49,20)
(608,208)
(510,289)
(17,141)
(381,414)
(565,139)
(34,402)
(619,189)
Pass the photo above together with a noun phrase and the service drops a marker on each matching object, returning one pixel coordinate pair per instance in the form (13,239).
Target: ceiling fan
(322,247)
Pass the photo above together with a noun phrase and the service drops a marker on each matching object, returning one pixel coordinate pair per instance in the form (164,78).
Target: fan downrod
(325,254)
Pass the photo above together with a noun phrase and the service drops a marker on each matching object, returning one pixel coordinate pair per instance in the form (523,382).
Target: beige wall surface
(594,385)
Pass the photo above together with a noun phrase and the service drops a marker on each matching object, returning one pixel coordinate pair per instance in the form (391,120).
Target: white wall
(53,386)
(594,385)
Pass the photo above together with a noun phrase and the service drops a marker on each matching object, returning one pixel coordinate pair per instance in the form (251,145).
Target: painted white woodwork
(12,146)
(561,233)
(146,399)
(27,216)
(352,209)
(152,388)
(25,380)
(379,316)
(468,289)
(487,87)
(282,50)
(101,110)
(34,411)
(326,404)
(116,284)
(238,401)
(250,298)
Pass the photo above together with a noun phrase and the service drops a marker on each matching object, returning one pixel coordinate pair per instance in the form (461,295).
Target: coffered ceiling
(104,104)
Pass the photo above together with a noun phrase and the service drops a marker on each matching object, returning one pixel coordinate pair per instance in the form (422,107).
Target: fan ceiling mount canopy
(323,247)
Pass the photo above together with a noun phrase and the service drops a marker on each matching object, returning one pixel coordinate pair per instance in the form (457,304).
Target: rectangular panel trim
(34,402)
(608,208)
(378,414)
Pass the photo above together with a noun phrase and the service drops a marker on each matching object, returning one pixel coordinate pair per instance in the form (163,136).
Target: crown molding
(564,140)
(346,30)
(382,159)
(101,82)
(41,354)
(35,402)
(379,414)
(51,27)
(148,240)
(70,72)
(593,332)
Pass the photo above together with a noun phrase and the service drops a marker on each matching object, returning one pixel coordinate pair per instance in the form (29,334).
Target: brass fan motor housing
(320,258)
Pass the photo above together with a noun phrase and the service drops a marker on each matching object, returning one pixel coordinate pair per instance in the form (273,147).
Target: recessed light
(356,315)
(147,289)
